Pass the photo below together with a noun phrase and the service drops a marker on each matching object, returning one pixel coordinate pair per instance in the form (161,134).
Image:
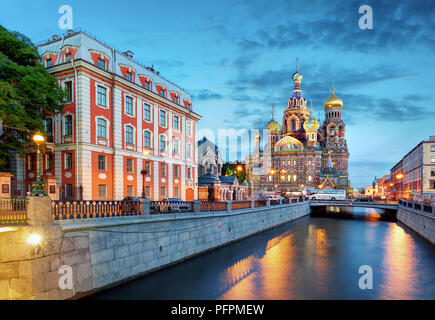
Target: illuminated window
(129,165)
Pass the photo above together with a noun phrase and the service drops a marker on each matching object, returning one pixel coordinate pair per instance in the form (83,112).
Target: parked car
(126,205)
(176,205)
(363,199)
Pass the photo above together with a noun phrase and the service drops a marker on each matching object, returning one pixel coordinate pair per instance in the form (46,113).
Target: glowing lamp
(146,152)
(272,171)
(38,138)
(34,239)
(239,168)
(399,176)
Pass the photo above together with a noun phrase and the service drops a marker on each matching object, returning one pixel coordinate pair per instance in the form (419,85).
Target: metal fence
(416,206)
(212,206)
(13,211)
(260,203)
(82,209)
(235,205)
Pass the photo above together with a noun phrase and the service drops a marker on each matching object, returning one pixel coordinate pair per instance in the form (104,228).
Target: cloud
(206,94)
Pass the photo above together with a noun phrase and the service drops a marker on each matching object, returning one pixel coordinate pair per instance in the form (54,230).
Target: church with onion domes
(301,153)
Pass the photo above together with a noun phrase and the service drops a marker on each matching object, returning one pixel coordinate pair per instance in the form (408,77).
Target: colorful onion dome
(311,125)
(297,76)
(273,126)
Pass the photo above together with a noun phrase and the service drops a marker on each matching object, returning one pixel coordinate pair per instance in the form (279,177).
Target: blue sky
(236,58)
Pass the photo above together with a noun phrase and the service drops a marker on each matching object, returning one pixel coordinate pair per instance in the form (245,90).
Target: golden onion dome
(311,125)
(333,100)
(273,126)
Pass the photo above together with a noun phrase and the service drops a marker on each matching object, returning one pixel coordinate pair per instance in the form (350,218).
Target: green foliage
(230,170)
(28,93)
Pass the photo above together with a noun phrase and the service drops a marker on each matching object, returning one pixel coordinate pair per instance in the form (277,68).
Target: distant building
(212,186)
(301,152)
(414,174)
(209,158)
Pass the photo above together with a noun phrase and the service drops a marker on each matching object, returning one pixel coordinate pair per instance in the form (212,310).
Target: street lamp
(145,152)
(38,185)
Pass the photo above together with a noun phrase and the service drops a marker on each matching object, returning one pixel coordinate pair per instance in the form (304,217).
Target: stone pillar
(5,184)
(39,211)
(252,203)
(51,187)
(433,208)
(145,206)
(196,206)
(268,203)
(280,201)
(229,205)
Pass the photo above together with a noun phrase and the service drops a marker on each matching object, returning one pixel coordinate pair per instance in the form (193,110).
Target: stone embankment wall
(94,254)
(418,220)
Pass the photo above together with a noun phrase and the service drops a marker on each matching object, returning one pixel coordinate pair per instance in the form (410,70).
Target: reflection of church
(301,153)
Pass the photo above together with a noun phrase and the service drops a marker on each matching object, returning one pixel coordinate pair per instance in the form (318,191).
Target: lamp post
(38,186)
(145,152)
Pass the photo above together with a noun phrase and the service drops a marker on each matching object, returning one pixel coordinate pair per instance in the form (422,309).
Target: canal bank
(83,256)
(419,218)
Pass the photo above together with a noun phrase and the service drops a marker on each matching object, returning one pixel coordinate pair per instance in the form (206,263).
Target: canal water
(310,258)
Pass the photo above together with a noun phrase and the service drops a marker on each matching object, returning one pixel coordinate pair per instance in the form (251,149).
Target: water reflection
(311,258)
(399,265)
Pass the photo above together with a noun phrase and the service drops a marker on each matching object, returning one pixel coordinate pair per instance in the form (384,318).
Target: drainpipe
(77,126)
(113,123)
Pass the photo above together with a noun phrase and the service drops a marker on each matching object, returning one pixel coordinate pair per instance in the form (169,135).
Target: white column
(183,182)
(84,108)
(170,182)
(118,173)
(139,177)
(156,130)
(156,180)
(85,172)
(139,135)
(117,121)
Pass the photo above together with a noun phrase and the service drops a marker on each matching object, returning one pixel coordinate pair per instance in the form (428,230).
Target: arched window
(162,143)
(129,135)
(147,139)
(101,128)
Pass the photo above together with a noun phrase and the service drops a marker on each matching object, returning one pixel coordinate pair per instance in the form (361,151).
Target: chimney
(128,54)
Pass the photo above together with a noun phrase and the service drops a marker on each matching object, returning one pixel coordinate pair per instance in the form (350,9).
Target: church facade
(301,153)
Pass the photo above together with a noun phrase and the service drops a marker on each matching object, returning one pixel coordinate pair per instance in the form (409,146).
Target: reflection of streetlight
(38,185)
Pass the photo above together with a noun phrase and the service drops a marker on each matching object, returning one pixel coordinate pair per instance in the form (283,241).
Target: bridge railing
(13,211)
(422,207)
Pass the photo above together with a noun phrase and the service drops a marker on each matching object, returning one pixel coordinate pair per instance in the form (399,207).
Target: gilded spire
(333,89)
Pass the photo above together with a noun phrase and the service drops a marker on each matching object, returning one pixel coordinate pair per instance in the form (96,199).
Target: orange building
(125,129)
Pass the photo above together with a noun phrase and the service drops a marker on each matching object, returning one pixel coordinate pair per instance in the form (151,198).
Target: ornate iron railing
(82,209)
(13,211)
(212,206)
(274,202)
(235,205)
(260,203)
(162,207)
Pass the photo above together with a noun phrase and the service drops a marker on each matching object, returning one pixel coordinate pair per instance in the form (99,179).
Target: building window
(163,170)
(163,92)
(129,135)
(310,178)
(68,191)
(147,192)
(68,125)
(129,165)
(189,128)
(130,191)
(176,146)
(177,192)
(432,148)
(101,163)
(176,99)
(101,128)
(289,177)
(295,177)
(189,150)
(129,105)
(162,144)
(101,96)
(68,91)
(101,63)
(147,168)
(68,161)
(102,191)
(147,85)
(162,118)
(68,57)
(147,139)
(48,62)
(129,76)
(31,163)
(432,172)
(189,173)
(176,123)
(163,191)
(147,112)
(49,161)
(176,171)
(432,159)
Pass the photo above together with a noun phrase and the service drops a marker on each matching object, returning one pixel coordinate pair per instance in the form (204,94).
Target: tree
(231,170)
(28,93)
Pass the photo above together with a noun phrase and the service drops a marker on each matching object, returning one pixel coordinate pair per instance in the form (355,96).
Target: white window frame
(133,104)
(125,134)
(177,155)
(179,123)
(189,128)
(166,118)
(166,144)
(98,84)
(151,138)
(189,156)
(64,124)
(107,129)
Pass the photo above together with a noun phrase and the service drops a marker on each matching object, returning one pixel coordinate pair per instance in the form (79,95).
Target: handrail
(13,211)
